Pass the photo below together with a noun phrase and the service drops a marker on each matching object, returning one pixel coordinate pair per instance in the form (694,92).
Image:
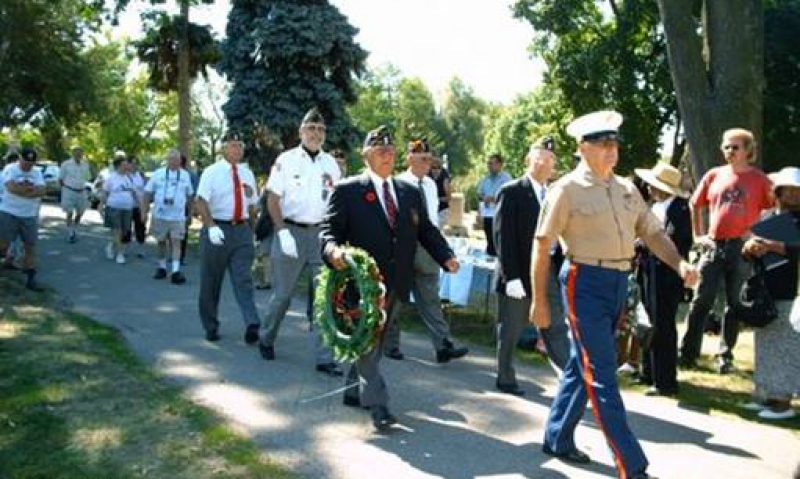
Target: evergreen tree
(283,57)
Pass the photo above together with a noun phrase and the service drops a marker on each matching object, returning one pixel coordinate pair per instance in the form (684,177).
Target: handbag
(756,307)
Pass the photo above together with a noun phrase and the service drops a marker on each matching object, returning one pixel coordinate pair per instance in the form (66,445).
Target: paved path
(453,424)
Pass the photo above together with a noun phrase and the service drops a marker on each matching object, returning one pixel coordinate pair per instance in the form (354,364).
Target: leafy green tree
(377,93)
(283,57)
(607,60)
(44,71)
(463,113)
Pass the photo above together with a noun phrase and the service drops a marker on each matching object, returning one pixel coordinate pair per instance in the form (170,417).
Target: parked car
(50,171)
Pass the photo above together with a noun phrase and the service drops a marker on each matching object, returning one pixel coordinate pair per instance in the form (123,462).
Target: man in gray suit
(425,289)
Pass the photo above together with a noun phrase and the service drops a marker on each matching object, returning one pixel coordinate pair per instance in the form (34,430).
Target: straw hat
(664,177)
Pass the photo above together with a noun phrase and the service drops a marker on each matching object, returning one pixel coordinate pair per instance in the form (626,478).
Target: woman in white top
(119,196)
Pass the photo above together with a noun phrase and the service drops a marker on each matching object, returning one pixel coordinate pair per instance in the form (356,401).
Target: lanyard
(166,185)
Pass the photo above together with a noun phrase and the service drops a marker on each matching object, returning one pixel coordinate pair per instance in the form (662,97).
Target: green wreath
(351,330)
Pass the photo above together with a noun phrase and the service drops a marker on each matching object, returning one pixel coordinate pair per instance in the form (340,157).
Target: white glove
(515,289)
(215,235)
(288,246)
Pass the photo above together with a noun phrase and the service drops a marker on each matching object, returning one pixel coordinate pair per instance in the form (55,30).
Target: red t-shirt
(734,200)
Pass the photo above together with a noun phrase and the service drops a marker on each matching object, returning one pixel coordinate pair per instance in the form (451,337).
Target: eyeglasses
(730,148)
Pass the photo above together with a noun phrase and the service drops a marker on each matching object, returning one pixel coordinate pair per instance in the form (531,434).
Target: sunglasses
(730,148)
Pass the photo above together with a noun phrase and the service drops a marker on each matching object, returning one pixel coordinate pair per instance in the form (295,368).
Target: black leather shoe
(161,273)
(251,334)
(395,354)
(267,352)
(178,278)
(512,389)
(212,335)
(575,456)
(351,401)
(654,391)
(686,363)
(724,365)
(449,352)
(381,418)
(331,369)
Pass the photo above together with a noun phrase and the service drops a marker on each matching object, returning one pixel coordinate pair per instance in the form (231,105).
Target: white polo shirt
(216,188)
(121,191)
(303,185)
(74,175)
(21,206)
(431,193)
(170,190)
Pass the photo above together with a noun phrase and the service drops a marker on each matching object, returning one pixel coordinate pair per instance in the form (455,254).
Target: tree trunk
(718,73)
(184,85)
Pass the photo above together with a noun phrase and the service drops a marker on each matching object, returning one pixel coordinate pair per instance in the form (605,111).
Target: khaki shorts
(163,229)
(74,201)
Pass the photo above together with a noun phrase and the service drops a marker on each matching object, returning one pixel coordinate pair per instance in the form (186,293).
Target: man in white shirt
(19,212)
(226,200)
(299,185)
(425,288)
(170,191)
(73,175)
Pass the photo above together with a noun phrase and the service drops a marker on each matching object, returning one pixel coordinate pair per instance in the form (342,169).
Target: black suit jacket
(355,218)
(514,228)
(678,226)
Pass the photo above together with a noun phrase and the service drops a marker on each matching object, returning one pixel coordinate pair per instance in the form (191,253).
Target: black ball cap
(232,135)
(29,154)
(378,137)
(313,116)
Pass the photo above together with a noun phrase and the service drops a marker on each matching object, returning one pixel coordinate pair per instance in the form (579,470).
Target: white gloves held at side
(215,235)
(515,289)
(288,245)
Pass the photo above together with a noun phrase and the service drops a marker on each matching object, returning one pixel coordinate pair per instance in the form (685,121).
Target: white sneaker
(626,368)
(753,406)
(120,258)
(110,251)
(768,413)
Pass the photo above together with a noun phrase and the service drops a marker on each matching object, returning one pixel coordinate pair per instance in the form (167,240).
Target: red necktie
(237,195)
(391,207)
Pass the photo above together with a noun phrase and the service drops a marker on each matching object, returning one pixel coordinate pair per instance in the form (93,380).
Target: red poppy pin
(370,197)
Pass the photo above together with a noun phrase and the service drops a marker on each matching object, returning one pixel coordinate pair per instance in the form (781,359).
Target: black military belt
(230,222)
(722,242)
(301,225)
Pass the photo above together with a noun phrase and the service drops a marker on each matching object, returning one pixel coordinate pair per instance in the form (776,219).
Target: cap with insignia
(547,143)
(600,125)
(232,135)
(29,154)
(419,146)
(378,137)
(120,154)
(313,116)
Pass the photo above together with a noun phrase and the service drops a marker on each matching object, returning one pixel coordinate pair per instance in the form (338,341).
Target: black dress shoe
(575,456)
(267,352)
(178,278)
(161,273)
(724,365)
(449,352)
(512,389)
(251,334)
(667,392)
(212,335)
(351,401)
(381,418)
(331,369)
(395,354)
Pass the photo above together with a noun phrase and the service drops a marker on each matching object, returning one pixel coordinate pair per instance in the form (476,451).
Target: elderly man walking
(170,192)
(226,199)
(74,174)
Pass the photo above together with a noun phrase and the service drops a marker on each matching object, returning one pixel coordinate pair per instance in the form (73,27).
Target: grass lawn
(76,403)
(702,389)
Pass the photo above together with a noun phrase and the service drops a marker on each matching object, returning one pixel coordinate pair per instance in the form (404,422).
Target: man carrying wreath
(386,218)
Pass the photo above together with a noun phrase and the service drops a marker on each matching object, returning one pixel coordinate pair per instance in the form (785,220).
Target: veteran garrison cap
(313,116)
(599,125)
(419,146)
(546,143)
(232,135)
(378,137)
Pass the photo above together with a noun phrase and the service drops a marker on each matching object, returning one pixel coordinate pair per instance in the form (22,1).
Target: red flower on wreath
(370,197)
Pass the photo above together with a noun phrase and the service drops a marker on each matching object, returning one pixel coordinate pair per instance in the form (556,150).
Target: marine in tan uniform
(596,215)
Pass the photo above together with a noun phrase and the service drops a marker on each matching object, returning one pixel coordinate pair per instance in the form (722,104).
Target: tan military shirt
(595,219)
